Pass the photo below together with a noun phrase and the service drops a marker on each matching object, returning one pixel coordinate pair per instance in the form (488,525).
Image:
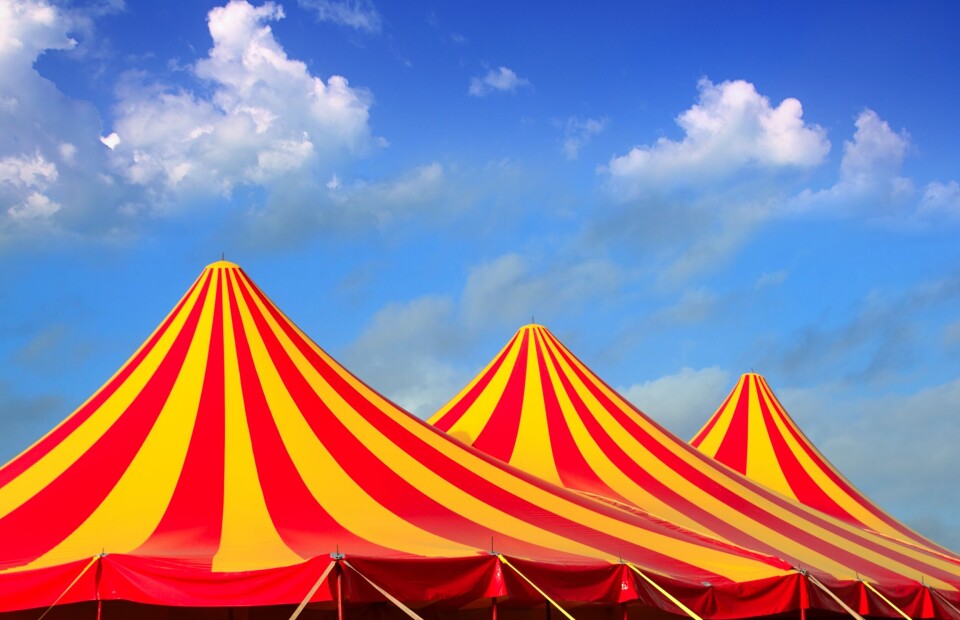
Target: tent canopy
(540,409)
(230,456)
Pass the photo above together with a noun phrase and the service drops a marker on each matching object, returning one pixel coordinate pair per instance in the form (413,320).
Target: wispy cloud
(356,14)
(578,132)
(502,80)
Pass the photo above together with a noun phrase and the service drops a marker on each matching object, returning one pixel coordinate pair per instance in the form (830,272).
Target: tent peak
(222,264)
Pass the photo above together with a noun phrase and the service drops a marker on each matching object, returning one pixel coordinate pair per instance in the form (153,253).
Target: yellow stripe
(131,511)
(248,531)
(74,445)
(532,452)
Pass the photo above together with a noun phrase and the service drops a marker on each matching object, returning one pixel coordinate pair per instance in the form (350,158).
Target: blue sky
(680,191)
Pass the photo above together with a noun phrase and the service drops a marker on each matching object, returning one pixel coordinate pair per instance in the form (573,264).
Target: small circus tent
(753,434)
(232,465)
(539,408)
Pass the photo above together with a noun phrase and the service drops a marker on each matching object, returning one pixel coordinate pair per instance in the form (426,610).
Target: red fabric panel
(179,583)
(587,583)
(423,580)
(40,588)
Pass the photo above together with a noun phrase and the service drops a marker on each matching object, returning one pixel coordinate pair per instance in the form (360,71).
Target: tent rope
(386,594)
(92,561)
(669,596)
(313,590)
(836,598)
(944,600)
(885,599)
(535,587)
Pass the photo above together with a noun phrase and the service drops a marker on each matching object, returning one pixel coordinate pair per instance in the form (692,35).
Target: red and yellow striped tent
(540,409)
(752,433)
(232,464)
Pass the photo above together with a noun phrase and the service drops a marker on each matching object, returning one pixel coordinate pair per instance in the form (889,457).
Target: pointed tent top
(753,434)
(221,264)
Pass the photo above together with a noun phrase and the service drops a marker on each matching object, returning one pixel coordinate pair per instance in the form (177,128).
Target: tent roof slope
(753,434)
(231,442)
(539,408)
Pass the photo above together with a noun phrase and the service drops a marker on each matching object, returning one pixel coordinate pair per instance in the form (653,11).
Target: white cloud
(731,128)
(267,116)
(27,172)
(37,206)
(683,401)
(357,14)
(502,79)
(578,132)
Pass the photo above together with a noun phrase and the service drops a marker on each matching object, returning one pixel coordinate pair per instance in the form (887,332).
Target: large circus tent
(231,468)
(539,408)
(752,433)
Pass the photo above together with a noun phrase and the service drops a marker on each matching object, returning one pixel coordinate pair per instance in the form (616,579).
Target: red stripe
(456,412)
(732,451)
(72,497)
(20,464)
(499,435)
(191,525)
(303,524)
(737,502)
(493,495)
(696,441)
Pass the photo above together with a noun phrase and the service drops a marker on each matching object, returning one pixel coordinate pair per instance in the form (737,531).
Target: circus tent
(232,463)
(752,433)
(540,409)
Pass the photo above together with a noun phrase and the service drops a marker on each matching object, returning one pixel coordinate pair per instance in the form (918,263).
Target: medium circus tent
(752,433)
(231,463)
(540,409)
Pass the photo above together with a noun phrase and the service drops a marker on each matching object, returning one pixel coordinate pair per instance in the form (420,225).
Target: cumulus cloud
(356,14)
(578,132)
(502,79)
(683,401)
(266,117)
(732,127)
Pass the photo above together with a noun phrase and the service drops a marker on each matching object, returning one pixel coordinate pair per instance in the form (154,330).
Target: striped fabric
(540,409)
(230,442)
(752,433)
